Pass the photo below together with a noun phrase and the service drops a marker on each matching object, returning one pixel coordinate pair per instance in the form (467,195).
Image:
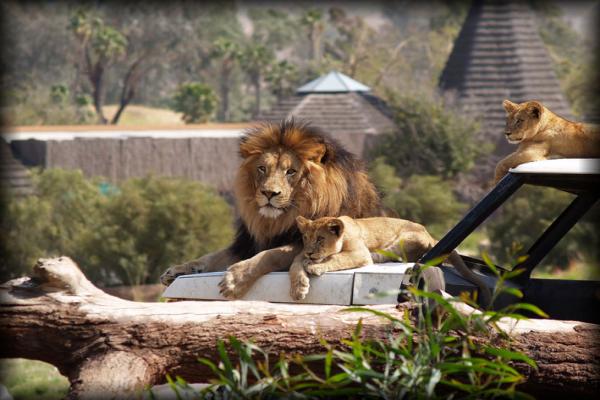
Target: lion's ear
(301,222)
(249,149)
(534,109)
(336,227)
(509,106)
(318,153)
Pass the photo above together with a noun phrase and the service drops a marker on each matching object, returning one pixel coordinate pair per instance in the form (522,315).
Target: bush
(429,140)
(426,199)
(528,214)
(196,101)
(118,235)
(155,222)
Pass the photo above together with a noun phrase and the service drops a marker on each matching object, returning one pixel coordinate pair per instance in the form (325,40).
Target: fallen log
(110,347)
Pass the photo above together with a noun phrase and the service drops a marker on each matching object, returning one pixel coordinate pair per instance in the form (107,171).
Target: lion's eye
(262,169)
(290,172)
(320,239)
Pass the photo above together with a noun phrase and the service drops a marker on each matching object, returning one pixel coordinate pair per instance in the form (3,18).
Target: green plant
(431,139)
(433,354)
(528,214)
(123,234)
(196,101)
(426,199)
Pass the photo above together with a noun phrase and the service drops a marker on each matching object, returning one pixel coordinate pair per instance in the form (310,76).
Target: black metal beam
(503,190)
(552,235)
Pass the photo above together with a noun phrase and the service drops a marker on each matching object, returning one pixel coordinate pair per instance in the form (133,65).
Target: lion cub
(541,135)
(333,244)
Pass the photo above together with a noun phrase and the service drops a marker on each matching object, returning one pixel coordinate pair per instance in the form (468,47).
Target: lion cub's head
(523,120)
(322,237)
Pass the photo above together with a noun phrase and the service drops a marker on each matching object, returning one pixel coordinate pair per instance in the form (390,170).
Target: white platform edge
(582,166)
(357,286)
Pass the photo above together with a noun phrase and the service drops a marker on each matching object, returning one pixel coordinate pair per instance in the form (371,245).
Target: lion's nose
(269,194)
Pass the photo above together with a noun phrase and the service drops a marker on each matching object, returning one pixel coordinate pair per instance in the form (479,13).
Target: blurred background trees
(125,234)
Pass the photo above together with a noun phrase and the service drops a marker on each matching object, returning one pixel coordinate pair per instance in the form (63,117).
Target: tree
(196,101)
(528,214)
(312,20)
(282,76)
(228,53)
(152,223)
(430,139)
(256,59)
(101,46)
(124,234)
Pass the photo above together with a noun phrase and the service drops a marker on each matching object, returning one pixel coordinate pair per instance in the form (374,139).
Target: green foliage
(431,139)
(45,106)
(573,56)
(431,355)
(528,213)
(196,101)
(32,380)
(106,42)
(426,199)
(154,222)
(125,234)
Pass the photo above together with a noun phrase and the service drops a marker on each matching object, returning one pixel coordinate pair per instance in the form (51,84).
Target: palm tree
(313,20)
(255,59)
(229,53)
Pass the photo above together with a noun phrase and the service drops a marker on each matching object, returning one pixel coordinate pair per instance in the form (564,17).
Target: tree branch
(109,346)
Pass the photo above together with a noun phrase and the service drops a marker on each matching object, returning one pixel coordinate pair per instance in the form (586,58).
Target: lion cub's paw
(300,285)
(235,282)
(315,269)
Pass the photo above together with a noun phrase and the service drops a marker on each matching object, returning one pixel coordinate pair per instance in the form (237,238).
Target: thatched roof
(499,55)
(344,110)
(14,177)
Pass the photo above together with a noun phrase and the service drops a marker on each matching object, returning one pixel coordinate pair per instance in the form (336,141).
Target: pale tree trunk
(112,348)
(130,83)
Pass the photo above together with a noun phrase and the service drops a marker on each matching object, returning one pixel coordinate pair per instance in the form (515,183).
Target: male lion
(287,170)
(541,135)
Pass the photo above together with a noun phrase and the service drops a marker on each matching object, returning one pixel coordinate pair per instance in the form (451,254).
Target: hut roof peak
(333,82)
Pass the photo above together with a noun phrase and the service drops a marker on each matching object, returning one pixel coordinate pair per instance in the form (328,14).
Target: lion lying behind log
(333,244)
(541,135)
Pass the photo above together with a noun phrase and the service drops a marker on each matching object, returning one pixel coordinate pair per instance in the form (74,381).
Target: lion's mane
(337,184)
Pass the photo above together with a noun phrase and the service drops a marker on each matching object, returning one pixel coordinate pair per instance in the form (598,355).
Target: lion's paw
(315,269)
(192,267)
(300,285)
(235,282)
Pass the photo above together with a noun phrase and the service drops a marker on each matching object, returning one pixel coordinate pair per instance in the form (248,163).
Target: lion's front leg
(533,153)
(240,276)
(299,281)
(340,261)
(217,261)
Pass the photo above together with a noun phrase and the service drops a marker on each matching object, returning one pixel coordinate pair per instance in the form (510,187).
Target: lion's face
(322,237)
(277,174)
(522,120)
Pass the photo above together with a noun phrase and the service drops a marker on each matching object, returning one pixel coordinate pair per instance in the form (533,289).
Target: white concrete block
(352,286)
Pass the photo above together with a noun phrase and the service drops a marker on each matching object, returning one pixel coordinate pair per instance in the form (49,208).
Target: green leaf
(510,355)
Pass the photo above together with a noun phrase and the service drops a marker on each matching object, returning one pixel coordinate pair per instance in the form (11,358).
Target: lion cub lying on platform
(333,244)
(541,135)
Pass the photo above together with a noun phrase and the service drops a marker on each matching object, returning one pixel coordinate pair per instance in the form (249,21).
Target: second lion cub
(333,244)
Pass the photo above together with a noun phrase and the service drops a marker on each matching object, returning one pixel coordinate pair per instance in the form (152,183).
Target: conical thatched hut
(340,106)
(499,55)
(14,177)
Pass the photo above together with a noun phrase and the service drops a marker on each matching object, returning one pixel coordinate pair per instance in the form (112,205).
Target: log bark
(111,348)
